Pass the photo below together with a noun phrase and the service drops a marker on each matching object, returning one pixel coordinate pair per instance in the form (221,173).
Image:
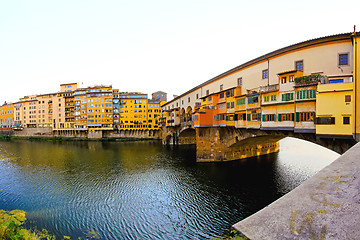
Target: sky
(150,45)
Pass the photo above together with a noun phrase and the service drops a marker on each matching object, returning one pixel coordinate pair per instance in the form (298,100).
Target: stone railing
(269,88)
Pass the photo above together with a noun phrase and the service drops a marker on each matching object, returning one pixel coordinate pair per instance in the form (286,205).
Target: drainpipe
(268,71)
(355,80)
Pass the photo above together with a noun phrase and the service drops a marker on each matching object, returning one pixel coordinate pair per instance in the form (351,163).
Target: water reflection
(144,190)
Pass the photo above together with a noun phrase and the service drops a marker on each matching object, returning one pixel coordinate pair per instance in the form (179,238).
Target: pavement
(325,207)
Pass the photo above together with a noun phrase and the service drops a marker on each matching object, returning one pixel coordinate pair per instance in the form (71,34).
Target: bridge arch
(187,135)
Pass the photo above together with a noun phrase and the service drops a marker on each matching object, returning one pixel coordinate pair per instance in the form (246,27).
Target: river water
(144,190)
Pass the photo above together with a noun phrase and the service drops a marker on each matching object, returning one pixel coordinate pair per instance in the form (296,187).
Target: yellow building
(6,115)
(334,110)
(99,107)
(133,111)
(153,114)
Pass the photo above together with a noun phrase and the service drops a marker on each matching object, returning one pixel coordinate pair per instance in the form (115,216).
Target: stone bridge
(230,143)
(324,207)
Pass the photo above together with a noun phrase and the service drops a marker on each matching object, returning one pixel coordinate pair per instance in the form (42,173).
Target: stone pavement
(327,206)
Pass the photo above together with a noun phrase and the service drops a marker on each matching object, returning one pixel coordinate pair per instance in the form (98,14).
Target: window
(346,120)
(283,79)
(273,97)
(207,92)
(305,116)
(266,98)
(306,94)
(299,65)
(325,120)
(230,105)
(268,117)
(343,59)
(239,81)
(188,99)
(221,95)
(197,96)
(287,97)
(347,98)
(291,78)
(253,99)
(336,80)
(221,87)
(222,106)
(230,93)
(285,117)
(265,74)
(240,101)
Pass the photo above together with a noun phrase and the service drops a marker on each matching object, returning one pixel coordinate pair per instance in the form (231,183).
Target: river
(144,190)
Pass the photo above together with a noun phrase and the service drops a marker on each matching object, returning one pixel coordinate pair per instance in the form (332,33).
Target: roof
(311,42)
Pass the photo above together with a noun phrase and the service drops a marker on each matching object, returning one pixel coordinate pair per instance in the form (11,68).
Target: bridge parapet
(324,207)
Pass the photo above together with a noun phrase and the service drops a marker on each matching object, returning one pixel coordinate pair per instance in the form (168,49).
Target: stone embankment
(50,133)
(327,206)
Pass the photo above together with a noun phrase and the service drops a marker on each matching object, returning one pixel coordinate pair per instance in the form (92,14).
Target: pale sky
(152,45)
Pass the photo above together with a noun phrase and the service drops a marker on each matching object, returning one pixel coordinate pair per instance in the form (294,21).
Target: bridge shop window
(306,94)
(265,74)
(253,99)
(283,80)
(325,120)
(222,95)
(255,116)
(266,98)
(230,93)
(285,117)
(230,105)
(273,97)
(305,116)
(287,97)
(268,117)
(291,78)
(299,65)
(343,59)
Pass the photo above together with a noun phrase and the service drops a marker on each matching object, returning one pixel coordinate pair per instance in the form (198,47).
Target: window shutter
(264,118)
(249,117)
(274,117)
(279,117)
(313,116)
(297,117)
(258,116)
(292,116)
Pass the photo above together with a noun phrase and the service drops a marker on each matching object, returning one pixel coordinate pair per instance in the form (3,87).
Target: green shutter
(297,117)
(249,117)
(292,117)
(274,117)
(279,117)
(258,116)
(264,118)
(313,115)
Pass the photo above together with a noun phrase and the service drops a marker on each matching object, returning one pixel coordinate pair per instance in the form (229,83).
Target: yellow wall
(6,115)
(330,102)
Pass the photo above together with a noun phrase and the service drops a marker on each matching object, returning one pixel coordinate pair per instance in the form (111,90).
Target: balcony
(269,88)
(310,80)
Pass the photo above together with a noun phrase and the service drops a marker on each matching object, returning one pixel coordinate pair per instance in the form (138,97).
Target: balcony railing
(269,88)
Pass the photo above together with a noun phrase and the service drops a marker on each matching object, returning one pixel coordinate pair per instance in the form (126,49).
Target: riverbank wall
(79,134)
(326,206)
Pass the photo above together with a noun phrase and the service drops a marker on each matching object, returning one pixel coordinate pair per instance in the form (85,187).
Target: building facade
(285,90)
